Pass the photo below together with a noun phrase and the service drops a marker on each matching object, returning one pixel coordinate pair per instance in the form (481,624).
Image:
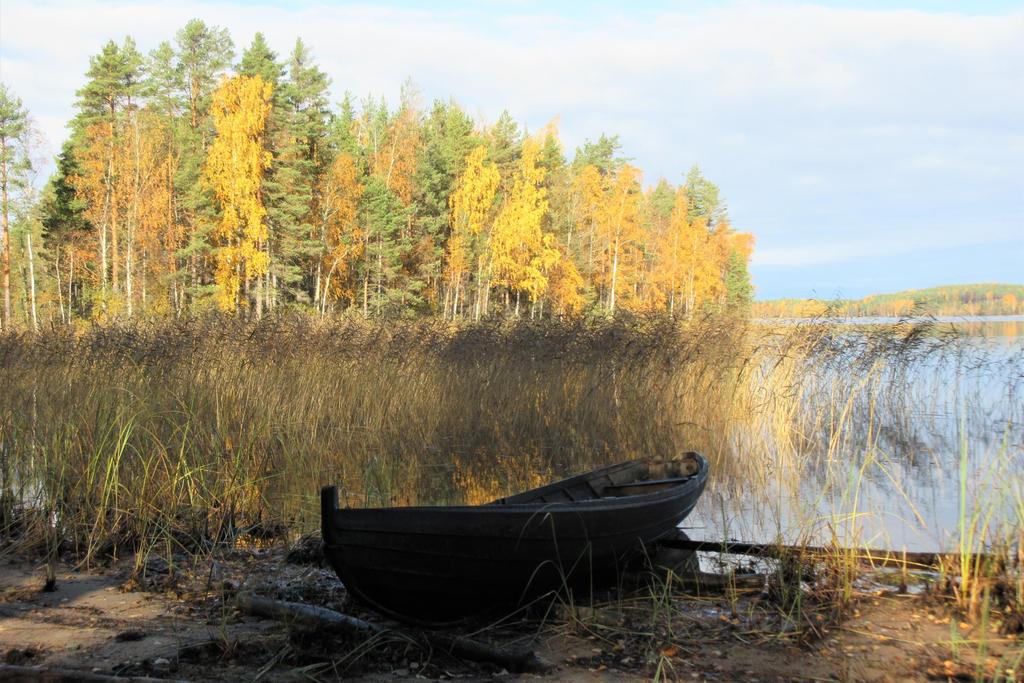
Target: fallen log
(706,582)
(874,556)
(44,674)
(304,616)
(320,618)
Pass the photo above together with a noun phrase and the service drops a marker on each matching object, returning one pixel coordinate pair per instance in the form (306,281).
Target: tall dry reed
(186,434)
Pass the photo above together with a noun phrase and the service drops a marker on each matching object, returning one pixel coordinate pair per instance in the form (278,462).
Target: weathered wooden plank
(874,556)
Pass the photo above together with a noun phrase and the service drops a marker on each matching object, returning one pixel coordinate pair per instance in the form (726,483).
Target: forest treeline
(192,181)
(975,299)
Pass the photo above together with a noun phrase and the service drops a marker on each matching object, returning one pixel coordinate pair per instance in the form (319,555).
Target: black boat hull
(438,564)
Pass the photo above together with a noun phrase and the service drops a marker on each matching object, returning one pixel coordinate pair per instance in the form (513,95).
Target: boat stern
(328,506)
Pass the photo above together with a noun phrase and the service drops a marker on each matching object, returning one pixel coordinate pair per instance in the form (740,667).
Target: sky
(869,146)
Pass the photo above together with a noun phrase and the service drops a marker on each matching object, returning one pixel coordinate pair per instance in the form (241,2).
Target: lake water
(936,450)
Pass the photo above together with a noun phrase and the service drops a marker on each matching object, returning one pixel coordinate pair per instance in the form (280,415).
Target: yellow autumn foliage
(345,239)
(619,229)
(519,251)
(234,171)
(469,206)
(471,200)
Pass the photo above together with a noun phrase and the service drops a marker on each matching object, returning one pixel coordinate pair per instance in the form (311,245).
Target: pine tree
(115,79)
(448,137)
(661,200)
(382,214)
(163,85)
(204,54)
(342,131)
(280,178)
(165,94)
(586,198)
(66,230)
(302,158)
(602,154)
(306,93)
(704,198)
(739,292)
(552,158)
(14,164)
(259,60)
(391,142)
(506,145)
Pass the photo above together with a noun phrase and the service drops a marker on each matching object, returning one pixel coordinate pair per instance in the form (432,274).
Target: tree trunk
(60,291)
(32,280)
(366,294)
(487,296)
(615,274)
(115,270)
(71,283)
(380,272)
(316,281)
(133,223)
(271,291)
(481,298)
(327,288)
(6,235)
(128,283)
(193,268)
(261,285)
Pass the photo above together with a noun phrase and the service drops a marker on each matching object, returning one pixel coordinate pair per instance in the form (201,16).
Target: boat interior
(629,479)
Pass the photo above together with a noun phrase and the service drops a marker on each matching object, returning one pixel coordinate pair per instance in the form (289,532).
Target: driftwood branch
(39,674)
(873,556)
(720,583)
(313,618)
(304,616)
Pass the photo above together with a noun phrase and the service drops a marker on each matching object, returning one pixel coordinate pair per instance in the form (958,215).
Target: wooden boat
(442,564)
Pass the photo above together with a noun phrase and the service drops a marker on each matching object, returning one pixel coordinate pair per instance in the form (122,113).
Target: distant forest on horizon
(193,182)
(972,299)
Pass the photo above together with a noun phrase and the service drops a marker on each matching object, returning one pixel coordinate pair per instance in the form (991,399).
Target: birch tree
(234,170)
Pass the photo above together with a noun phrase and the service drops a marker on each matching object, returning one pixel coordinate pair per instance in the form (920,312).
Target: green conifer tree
(448,137)
(739,292)
(704,197)
(14,164)
(64,227)
(303,158)
(385,290)
(203,54)
(506,146)
(604,154)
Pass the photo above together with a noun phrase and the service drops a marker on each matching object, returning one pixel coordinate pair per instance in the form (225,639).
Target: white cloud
(791,57)
(905,240)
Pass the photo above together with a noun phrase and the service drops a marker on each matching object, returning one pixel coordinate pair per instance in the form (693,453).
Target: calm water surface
(946,449)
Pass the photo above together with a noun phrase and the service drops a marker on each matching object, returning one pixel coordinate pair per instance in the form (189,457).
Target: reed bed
(197,431)
(182,436)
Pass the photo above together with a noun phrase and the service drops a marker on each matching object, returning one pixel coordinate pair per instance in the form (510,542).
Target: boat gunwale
(684,487)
